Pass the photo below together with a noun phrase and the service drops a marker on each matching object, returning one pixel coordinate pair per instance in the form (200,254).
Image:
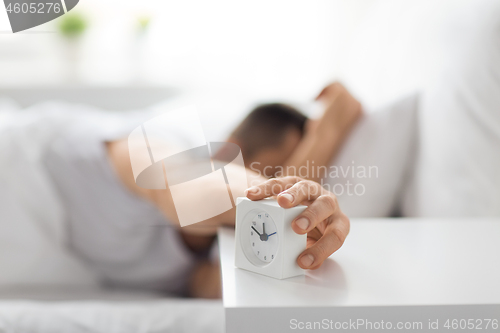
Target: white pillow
(368,174)
(458,166)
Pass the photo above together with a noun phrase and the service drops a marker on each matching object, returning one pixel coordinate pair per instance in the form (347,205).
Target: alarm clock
(265,241)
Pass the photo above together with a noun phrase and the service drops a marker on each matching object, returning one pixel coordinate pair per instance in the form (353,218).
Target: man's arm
(118,152)
(325,136)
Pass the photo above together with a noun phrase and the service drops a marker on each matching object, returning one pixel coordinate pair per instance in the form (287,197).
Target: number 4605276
(34,8)
(471,324)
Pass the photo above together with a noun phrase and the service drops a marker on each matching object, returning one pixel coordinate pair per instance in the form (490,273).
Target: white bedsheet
(168,315)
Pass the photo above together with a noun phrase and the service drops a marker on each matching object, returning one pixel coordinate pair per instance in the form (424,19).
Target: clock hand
(271,234)
(258,233)
(264,236)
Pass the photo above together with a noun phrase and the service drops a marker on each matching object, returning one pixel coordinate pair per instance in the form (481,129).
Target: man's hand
(325,136)
(323,221)
(333,91)
(342,110)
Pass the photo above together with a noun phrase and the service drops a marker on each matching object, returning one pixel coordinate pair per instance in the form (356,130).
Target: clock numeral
(267,215)
(253,244)
(265,257)
(254,223)
(251,233)
(259,216)
(258,252)
(272,256)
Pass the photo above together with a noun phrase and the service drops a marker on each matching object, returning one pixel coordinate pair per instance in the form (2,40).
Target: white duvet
(32,240)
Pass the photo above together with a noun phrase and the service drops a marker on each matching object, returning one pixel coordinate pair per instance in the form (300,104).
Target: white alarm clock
(265,241)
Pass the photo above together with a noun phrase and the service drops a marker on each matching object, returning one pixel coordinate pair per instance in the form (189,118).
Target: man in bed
(131,236)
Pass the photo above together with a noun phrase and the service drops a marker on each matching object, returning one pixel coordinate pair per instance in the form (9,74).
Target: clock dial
(263,237)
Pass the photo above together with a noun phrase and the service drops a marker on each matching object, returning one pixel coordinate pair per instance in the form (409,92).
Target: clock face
(263,236)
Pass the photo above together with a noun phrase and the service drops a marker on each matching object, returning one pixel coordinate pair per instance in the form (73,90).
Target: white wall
(281,49)
(272,48)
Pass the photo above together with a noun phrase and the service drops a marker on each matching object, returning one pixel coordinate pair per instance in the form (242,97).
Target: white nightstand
(390,270)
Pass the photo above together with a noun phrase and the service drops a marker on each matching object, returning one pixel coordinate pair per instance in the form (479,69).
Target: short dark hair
(266,127)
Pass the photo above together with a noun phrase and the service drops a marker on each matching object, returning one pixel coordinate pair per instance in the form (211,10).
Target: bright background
(282,49)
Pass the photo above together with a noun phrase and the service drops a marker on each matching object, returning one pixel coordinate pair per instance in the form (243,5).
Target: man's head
(268,136)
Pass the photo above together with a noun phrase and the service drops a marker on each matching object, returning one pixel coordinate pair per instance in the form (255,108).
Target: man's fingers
(303,192)
(271,187)
(291,191)
(333,238)
(324,207)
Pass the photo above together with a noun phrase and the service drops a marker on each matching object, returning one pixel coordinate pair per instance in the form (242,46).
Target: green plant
(143,22)
(72,25)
